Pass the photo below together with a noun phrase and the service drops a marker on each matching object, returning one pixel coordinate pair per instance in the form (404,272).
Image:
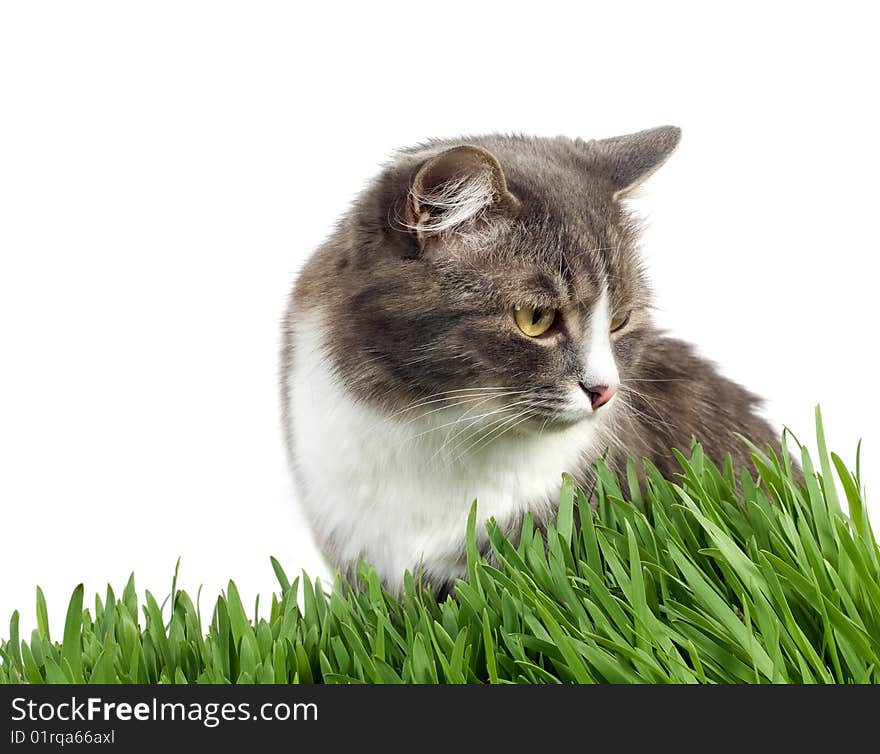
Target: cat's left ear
(455,193)
(626,161)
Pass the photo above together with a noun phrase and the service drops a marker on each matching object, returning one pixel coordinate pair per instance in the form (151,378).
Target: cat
(479,323)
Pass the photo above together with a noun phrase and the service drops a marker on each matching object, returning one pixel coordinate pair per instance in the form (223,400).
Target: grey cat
(478,323)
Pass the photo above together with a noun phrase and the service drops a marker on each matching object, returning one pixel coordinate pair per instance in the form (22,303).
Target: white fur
(384,489)
(598,356)
(598,359)
(458,200)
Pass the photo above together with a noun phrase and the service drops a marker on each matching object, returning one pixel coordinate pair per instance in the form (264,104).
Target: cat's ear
(626,161)
(454,192)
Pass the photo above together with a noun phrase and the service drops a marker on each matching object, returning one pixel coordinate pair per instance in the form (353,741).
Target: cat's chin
(569,417)
(576,413)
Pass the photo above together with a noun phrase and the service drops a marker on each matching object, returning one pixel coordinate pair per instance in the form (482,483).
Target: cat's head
(494,274)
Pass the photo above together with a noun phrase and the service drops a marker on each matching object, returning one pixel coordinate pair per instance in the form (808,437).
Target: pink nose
(599,394)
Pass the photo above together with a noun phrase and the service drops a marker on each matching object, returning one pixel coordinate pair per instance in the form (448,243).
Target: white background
(166,167)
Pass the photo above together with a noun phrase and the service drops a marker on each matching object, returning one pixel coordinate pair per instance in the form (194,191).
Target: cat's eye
(618,321)
(534,320)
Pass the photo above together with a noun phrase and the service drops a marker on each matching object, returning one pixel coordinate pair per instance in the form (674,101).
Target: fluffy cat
(478,323)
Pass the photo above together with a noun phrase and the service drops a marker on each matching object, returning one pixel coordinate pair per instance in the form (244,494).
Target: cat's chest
(397,492)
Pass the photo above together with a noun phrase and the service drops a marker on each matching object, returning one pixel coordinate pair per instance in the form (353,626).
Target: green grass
(695,580)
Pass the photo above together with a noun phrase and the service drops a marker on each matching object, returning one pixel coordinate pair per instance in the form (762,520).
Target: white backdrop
(166,167)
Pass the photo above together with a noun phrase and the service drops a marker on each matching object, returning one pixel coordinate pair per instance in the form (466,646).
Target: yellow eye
(618,321)
(534,320)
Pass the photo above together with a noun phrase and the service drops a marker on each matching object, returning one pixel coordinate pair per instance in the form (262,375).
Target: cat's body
(411,385)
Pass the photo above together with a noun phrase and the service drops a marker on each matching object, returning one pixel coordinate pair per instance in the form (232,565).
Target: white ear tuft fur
(451,195)
(452,204)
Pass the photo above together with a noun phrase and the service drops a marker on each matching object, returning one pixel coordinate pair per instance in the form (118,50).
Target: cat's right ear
(455,193)
(626,161)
